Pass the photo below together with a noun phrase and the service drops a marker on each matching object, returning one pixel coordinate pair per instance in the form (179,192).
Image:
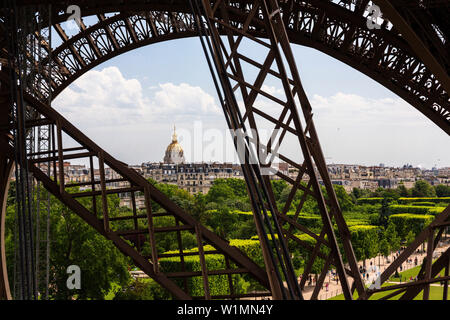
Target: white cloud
(107,98)
(355,129)
(354,110)
(272,90)
(184,99)
(135,124)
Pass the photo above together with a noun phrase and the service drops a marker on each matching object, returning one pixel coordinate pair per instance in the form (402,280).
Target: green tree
(278,187)
(344,199)
(223,221)
(365,241)
(403,191)
(423,189)
(238,186)
(391,235)
(219,193)
(390,193)
(410,237)
(378,193)
(243,229)
(442,190)
(172,190)
(360,193)
(199,209)
(74,242)
(384,212)
(385,249)
(146,289)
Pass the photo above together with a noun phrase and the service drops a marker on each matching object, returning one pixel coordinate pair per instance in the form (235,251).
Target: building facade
(199,177)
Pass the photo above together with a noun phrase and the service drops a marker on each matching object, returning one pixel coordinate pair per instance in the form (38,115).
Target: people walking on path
(332,289)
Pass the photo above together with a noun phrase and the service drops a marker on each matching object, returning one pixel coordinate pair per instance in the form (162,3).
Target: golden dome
(174,151)
(174,146)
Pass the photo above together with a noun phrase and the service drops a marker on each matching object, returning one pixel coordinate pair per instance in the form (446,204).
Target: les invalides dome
(174,151)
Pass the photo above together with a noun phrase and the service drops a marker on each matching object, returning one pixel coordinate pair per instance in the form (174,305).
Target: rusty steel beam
(426,234)
(6,167)
(401,59)
(440,264)
(438,113)
(102,225)
(422,51)
(228,68)
(432,102)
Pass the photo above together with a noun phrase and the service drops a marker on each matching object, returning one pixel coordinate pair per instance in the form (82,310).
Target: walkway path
(334,288)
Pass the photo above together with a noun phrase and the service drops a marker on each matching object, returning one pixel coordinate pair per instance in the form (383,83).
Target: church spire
(174,151)
(174,136)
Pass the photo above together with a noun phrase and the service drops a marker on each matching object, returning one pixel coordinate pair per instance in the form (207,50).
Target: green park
(380,222)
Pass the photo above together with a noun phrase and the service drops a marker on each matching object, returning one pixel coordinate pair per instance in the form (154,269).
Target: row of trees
(74,242)
(421,189)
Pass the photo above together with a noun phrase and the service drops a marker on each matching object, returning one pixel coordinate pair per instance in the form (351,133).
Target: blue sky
(129,104)
(183,60)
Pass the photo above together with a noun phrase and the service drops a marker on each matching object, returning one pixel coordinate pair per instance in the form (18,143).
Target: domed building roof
(174,151)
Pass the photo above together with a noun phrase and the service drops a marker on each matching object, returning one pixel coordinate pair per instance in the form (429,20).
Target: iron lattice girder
(429,270)
(6,166)
(438,62)
(430,22)
(339,31)
(237,85)
(104,224)
(314,23)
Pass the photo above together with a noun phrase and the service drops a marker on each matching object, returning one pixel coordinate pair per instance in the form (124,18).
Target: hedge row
(395,209)
(426,204)
(303,237)
(352,223)
(433,199)
(315,221)
(404,223)
(218,285)
(251,248)
(361,236)
(307,220)
(403,200)
(365,241)
(300,254)
(377,200)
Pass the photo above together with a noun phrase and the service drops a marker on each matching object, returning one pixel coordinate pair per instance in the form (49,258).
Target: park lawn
(407,274)
(436,293)
(355,295)
(112,293)
(299,271)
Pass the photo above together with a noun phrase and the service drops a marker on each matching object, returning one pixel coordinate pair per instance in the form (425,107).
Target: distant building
(174,152)
(199,177)
(192,177)
(388,183)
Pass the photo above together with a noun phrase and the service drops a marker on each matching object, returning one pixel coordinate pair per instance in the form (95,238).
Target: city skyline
(209,150)
(358,121)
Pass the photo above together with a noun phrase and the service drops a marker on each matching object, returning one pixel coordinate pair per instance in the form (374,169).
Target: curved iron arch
(358,43)
(330,28)
(6,169)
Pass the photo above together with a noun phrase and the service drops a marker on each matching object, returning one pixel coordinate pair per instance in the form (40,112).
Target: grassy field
(435,294)
(405,275)
(112,293)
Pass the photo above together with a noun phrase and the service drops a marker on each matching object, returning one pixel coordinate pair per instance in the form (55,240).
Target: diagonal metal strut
(232,80)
